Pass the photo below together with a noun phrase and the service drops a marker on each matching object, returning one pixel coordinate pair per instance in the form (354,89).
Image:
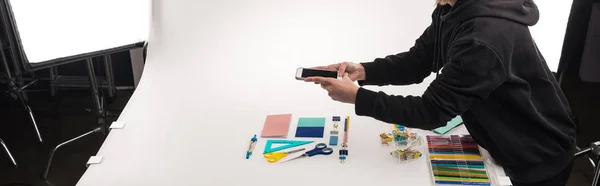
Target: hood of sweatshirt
(521,11)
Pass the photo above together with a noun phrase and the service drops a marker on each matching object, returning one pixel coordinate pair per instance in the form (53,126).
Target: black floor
(59,118)
(65,116)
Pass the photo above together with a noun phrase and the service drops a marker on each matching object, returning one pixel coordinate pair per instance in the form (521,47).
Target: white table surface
(216,69)
(62,28)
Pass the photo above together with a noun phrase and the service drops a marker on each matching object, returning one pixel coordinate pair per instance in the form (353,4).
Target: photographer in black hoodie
(490,72)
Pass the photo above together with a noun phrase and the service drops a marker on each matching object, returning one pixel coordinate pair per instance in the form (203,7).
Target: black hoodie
(490,72)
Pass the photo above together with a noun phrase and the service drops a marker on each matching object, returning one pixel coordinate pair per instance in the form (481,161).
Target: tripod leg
(37,131)
(26,106)
(19,95)
(45,176)
(94,86)
(596,174)
(8,152)
(53,75)
(110,79)
(97,99)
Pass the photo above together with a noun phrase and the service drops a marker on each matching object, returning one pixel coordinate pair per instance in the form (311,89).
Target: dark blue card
(310,132)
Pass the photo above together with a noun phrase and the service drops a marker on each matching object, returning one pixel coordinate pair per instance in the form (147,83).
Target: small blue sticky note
(333,140)
(449,126)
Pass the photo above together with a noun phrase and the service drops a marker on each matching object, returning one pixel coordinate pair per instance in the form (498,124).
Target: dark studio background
(584,97)
(59,118)
(67,115)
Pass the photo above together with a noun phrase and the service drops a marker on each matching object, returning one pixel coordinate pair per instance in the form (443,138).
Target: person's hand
(355,70)
(342,90)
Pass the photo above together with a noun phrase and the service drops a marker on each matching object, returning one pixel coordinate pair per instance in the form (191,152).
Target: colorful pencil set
(456,160)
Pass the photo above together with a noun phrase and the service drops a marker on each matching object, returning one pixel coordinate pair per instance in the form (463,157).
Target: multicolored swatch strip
(456,160)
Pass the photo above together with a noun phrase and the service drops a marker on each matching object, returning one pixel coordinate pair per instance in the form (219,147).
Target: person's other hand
(342,90)
(355,70)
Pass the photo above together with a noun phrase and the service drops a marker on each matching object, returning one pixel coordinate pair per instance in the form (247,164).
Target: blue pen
(251,148)
(458,166)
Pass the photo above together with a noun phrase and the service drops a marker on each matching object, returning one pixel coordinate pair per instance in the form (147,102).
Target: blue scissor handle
(321,148)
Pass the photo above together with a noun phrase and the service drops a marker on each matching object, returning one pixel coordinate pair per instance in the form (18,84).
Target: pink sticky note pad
(276,125)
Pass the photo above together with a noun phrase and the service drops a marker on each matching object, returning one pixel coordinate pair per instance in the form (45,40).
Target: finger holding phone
(342,90)
(355,70)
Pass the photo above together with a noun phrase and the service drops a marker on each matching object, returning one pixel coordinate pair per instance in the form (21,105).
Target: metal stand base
(595,150)
(99,112)
(17,93)
(8,153)
(26,106)
(45,176)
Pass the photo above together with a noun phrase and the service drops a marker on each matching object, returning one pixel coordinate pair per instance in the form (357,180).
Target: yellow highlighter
(455,156)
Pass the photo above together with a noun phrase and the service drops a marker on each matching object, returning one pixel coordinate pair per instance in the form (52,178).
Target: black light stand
(99,111)
(15,91)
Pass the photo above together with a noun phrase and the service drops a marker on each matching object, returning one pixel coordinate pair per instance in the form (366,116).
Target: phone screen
(322,73)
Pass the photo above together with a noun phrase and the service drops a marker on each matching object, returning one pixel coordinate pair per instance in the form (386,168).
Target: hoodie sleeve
(473,71)
(405,68)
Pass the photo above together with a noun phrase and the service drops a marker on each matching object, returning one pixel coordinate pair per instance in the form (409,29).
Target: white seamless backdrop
(215,69)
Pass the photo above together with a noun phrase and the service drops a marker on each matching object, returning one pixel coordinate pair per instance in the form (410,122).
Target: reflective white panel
(61,28)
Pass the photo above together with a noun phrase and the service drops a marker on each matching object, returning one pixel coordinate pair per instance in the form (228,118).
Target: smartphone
(302,73)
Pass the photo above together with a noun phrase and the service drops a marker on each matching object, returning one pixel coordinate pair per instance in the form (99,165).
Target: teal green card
(451,124)
(311,122)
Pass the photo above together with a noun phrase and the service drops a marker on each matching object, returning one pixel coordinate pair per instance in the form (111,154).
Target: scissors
(320,148)
(273,157)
